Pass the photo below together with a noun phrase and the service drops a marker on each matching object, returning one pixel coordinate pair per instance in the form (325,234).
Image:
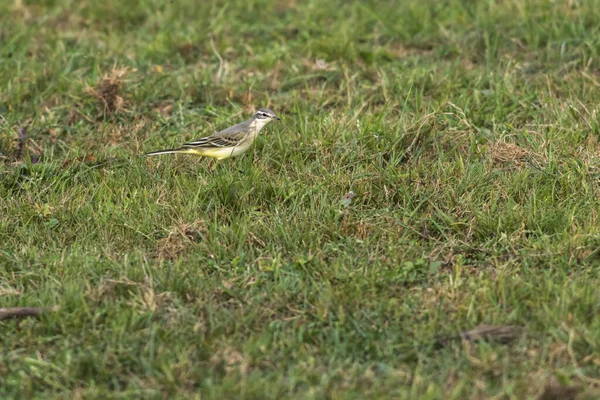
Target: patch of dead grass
(115,134)
(108,91)
(319,64)
(181,236)
(229,360)
(165,109)
(400,50)
(357,229)
(504,154)
(282,6)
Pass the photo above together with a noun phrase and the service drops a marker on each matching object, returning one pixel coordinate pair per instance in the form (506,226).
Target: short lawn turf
(467,130)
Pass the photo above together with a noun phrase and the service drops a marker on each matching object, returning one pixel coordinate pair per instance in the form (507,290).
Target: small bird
(230,142)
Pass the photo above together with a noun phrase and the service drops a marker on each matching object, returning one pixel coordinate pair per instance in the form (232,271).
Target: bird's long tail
(168,151)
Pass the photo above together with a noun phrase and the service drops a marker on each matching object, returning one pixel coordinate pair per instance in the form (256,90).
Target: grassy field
(468,131)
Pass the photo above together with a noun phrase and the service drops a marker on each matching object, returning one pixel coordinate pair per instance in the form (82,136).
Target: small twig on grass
(24,312)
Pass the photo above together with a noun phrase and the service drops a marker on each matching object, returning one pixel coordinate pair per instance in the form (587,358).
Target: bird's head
(265,115)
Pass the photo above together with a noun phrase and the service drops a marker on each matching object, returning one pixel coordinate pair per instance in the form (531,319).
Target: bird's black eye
(265,115)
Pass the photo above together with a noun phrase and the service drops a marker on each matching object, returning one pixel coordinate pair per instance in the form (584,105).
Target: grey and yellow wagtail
(230,142)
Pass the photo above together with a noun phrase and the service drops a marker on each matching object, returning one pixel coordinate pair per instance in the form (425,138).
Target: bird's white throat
(258,124)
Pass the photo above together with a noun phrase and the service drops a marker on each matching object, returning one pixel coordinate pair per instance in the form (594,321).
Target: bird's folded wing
(212,141)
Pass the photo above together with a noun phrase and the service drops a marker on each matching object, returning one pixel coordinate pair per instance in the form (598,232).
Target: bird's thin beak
(277,118)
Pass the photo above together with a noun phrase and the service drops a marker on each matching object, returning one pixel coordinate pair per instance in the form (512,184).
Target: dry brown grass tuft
(486,333)
(228,359)
(510,155)
(319,65)
(108,91)
(400,51)
(181,236)
(165,109)
(282,6)
(491,333)
(357,229)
